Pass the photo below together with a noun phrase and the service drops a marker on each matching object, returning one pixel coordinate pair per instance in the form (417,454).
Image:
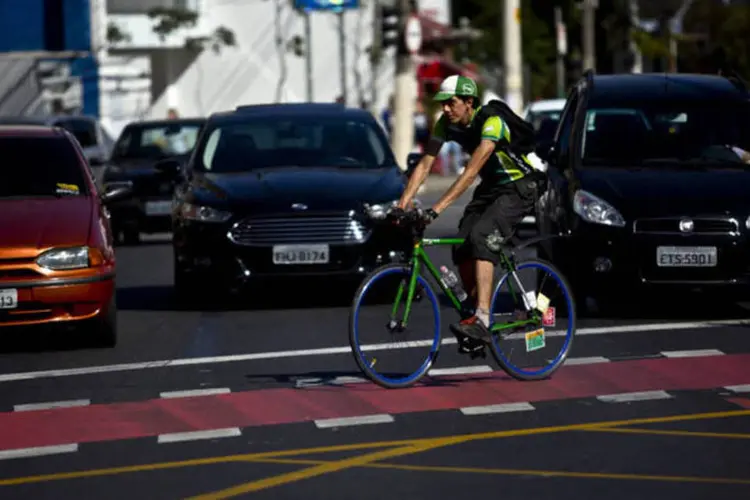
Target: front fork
(396,325)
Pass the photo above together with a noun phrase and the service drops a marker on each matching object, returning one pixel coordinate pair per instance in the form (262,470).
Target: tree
(169,20)
(538,42)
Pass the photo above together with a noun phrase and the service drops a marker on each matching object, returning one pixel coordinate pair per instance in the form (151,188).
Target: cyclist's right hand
(396,215)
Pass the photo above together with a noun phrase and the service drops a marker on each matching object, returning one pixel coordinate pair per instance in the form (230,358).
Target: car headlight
(595,210)
(204,214)
(379,210)
(60,259)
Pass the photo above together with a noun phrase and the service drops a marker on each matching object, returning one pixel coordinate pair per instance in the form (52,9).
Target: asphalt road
(652,404)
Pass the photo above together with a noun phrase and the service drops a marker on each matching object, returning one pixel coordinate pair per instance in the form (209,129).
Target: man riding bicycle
(507,191)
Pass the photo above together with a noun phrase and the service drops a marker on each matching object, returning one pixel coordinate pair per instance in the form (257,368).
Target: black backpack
(522,134)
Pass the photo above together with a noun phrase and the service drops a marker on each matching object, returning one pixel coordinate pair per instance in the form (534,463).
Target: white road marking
(461,370)
(257,356)
(692,354)
(38,451)
(348,421)
(178,437)
(738,388)
(196,392)
(586,361)
(627,397)
(499,408)
(51,405)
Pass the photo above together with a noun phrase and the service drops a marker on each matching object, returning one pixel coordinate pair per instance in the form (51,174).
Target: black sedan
(647,186)
(140,146)
(277,191)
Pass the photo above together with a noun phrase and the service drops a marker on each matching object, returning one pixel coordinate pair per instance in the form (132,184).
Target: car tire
(131,236)
(103,328)
(187,286)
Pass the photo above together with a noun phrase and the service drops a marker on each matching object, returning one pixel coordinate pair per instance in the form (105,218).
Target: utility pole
(634,22)
(342,55)
(308,56)
(562,49)
(405,92)
(376,50)
(589,34)
(513,56)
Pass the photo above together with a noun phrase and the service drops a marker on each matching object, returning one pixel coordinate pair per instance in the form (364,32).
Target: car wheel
(131,236)
(103,329)
(188,287)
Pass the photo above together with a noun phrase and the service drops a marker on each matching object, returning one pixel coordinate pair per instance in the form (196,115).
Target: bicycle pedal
(479,353)
(468,346)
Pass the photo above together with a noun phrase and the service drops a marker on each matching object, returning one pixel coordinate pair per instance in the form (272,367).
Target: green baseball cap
(456,85)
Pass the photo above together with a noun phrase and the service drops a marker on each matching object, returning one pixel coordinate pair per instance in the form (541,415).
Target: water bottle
(451,281)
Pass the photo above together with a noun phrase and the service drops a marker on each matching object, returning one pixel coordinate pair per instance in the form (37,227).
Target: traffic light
(390,26)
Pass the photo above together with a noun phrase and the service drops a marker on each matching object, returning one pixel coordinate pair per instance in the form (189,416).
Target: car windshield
(156,141)
(701,132)
(83,130)
(301,141)
(537,117)
(545,130)
(40,166)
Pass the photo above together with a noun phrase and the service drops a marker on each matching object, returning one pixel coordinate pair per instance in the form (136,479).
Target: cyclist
(507,191)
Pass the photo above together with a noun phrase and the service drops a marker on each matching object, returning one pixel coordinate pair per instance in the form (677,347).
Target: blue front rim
(568,336)
(436,335)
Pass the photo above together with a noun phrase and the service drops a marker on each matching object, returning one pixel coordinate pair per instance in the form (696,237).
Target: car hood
(317,188)
(42,223)
(669,192)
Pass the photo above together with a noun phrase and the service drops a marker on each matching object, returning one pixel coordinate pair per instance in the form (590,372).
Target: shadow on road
(301,296)
(316,379)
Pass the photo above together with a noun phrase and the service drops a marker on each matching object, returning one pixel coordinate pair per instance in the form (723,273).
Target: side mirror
(412,160)
(116,194)
(545,150)
(170,166)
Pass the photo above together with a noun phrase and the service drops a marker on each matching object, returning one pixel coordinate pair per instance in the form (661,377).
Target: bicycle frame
(420,257)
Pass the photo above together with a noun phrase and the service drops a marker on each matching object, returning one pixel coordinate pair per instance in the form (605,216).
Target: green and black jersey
(503,166)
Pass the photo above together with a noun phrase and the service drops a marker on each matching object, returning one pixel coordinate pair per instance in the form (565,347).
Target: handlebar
(414,220)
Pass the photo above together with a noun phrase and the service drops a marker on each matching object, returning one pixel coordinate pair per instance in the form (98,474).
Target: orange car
(57,262)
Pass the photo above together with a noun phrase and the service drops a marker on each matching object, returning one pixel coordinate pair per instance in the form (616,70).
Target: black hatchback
(649,187)
(140,146)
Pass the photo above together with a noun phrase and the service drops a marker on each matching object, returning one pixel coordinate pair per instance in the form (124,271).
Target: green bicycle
(527,309)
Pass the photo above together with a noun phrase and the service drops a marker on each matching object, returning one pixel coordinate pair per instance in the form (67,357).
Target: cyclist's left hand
(429,215)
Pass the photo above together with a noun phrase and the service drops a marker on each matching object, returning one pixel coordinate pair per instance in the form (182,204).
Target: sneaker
(472,328)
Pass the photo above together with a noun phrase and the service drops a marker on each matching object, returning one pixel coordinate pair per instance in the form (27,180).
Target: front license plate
(8,298)
(300,254)
(158,207)
(686,257)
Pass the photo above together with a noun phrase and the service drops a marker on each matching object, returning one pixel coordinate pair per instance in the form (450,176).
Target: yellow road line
(664,432)
(317,470)
(364,446)
(523,472)
(421,446)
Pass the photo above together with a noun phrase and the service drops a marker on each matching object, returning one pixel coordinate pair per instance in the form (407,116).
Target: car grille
(727,226)
(334,229)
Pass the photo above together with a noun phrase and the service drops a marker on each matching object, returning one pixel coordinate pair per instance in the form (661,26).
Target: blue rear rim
(429,359)
(497,340)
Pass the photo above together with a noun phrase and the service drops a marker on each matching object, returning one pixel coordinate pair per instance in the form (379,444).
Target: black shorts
(491,209)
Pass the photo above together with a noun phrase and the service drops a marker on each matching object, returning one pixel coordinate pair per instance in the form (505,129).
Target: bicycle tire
(497,353)
(429,361)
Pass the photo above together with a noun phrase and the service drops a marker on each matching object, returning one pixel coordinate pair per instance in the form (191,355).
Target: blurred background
(119,61)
